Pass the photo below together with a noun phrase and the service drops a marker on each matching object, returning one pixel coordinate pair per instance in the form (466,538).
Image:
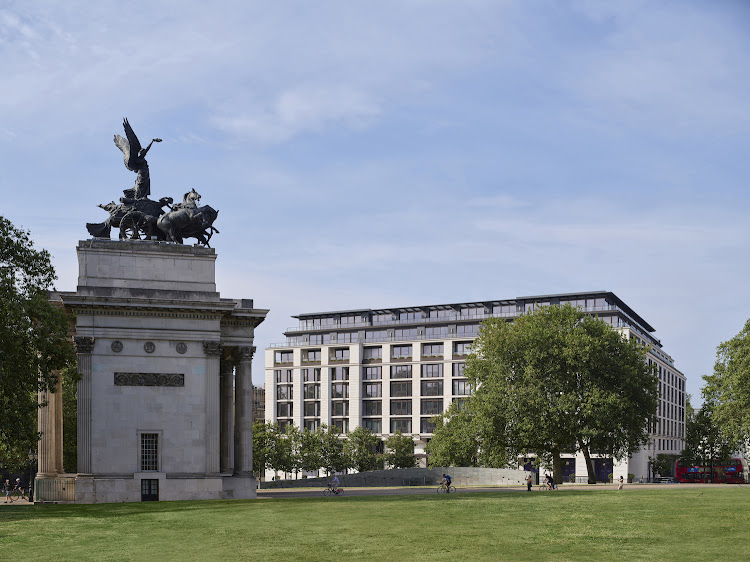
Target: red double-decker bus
(733,471)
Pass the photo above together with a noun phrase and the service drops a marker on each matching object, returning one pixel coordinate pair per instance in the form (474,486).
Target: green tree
(400,451)
(332,451)
(70,378)
(361,448)
(558,380)
(310,449)
(34,341)
(705,441)
(728,389)
(282,448)
(455,439)
(263,444)
(662,464)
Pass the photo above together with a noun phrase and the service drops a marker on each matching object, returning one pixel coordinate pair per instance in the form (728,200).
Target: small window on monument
(149,451)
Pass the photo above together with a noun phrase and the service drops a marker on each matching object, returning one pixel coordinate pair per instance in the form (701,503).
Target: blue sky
(372,154)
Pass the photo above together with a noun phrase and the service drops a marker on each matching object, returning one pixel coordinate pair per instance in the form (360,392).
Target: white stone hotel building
(393,369)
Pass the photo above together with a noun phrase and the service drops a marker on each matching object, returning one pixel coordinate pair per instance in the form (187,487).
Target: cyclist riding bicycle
(447,482)
(334,484)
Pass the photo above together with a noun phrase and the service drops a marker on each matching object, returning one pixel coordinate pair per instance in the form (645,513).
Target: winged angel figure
(135,161)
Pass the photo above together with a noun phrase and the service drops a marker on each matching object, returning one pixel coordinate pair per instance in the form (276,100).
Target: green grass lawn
(635,524)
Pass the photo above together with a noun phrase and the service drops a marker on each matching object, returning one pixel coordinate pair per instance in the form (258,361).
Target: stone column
(227,413)
(212,349)
(243,413)
(84,347)
(58,410)
(46,447)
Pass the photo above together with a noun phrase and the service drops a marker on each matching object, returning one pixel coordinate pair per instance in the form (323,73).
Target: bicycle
(335,491)
(443,488)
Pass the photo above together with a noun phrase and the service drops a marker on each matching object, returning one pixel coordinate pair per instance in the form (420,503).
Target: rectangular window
(427,425)
(284,392)
(149,452)
(458,369)
(401,424)
(461,403)
(341,426)
(316,339)
(401,352)
(400,407)
(399,389)
(346,337)
(374,424)
(432,350)
(461,348)
(461,388)
(283,375)
(311,375)
(436,331)
(312,425)
(400,371)
(312,409)
(467,329)
(284,410)
(340,408)
(373,408)
(340,354)
(372,353)
(432,370)
(282,357)
(432,388)
(376,335)
(371,390)
(404,333)
(371,373)
(312,391)
(310,355)
(431,407)
(340,374)
(340,390)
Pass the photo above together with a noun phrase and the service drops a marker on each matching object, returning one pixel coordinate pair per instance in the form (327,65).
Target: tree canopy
(400,451)
(34,340)
(728,389)
(558,380)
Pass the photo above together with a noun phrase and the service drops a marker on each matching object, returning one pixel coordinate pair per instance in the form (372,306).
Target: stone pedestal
(150,331)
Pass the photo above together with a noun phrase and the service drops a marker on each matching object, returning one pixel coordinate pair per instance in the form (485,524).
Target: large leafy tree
(706,443)
(263,443)
(332,451)
(558,380)
(34,341)
(454,441)
(728,389)
(361,448)
(400,451)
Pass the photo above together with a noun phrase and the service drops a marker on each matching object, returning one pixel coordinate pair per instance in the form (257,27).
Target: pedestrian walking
(8,488)
(620,483)
(528,483)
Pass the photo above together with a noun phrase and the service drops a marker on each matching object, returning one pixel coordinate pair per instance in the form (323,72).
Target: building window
(284,425)
(400,371)
(340,408)
(376,335)
(371,390)
(427,425)
(149,452)
(431,407)
(341,426)
(312,409)
(282,357)
(284,392)
(316,339)
(310,355)
(373,408)
(401,352)
(374,424)
(432,350)
(284,410)
(401,424)
(432,388)
(405,334)
(467,330)
(399,389)
(340,374)
(312,391)
(346,337)
(312,425)
(461,348)
(372,353)
(340,390)
(311,375)
(461,403)
(400,407)
(371,373)
(461,388)
(432,370)
(283,375)
(436,331)
(340,354)
(458,369)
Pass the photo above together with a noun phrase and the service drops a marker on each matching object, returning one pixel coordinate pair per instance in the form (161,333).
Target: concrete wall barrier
(462,476)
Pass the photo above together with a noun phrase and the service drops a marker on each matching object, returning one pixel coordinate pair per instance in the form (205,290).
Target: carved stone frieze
(84,344)
(212,348)
(149,379)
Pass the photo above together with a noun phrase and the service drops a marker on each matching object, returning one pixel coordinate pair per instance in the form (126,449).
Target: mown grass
(636,524)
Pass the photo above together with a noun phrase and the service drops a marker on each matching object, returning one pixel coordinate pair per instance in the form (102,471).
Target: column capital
(83,344)
(212,348)
(245,353)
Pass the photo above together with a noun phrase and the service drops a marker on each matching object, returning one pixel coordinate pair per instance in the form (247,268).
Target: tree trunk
(589,464)
(556,464)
